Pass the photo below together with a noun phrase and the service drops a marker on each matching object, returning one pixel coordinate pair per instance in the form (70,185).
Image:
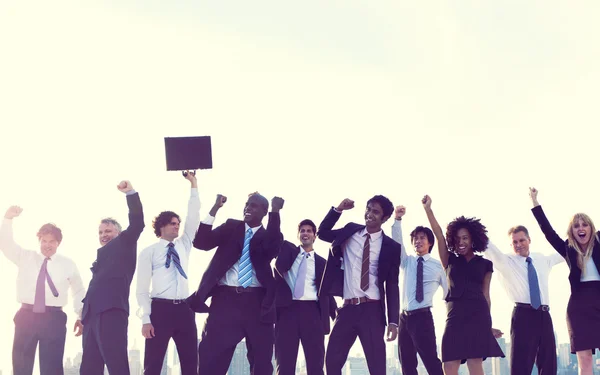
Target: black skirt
(583,317)
(468,332)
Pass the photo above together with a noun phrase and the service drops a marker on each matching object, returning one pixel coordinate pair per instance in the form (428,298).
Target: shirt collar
(425,257)
(164,243)
(374,236)
(246,227)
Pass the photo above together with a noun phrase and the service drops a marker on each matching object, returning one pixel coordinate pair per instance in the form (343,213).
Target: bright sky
(313,101)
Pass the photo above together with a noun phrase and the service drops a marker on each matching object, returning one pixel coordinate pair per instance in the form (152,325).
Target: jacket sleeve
(136,220)
(557,243)
(392,290)
(274,238)
(208,238)
(284,259)
(326,232)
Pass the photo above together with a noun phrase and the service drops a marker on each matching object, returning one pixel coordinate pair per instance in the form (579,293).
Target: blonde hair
(583,255)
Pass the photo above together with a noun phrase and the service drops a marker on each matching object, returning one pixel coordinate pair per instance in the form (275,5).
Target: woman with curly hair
(582,252)
(468,336)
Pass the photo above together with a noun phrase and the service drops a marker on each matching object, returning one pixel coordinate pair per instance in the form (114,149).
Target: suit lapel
(319,268)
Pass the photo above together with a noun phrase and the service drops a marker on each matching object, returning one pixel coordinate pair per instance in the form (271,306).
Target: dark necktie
(173,256)
(39,304)
(534,286)
(364,274)
(419,294)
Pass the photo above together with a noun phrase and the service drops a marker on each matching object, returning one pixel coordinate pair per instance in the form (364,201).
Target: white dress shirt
(231,277)
(167,283)
(62,271)
(353,253)
(434,275)
(513,272)
(591,272)
(310,285)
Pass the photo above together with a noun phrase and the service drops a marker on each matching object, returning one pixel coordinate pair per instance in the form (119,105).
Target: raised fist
(221,199)
(124,186)
(12,212)
(399,212)
(347,204)
(426,201)
(276,204)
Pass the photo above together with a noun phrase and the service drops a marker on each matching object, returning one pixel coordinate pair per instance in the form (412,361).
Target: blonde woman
(582,252)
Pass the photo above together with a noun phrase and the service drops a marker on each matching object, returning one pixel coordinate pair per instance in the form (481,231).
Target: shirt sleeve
(497,257)
(209,220)
(443,282)
(144,279)
(8,246)
(397,236)
(555,259)
(77,290)
(192,220)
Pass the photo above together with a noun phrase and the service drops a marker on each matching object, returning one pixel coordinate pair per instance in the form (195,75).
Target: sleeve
(443,282)
(553,238)
(488,267)
(274,238)
(326,232)
(8,246)
(497,257)
(393,292)
(136,219)
(208,238)
(397,236)
(144,279)
(77,290)
(554,259)
(192,220)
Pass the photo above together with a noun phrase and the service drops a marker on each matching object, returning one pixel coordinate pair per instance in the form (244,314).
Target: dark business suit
(367,320)
(106,304)
(237,313)
(300,321)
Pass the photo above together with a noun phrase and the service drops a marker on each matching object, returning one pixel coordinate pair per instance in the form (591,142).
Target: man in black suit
(362,267)
(106,304)
(301,315)
(240,281)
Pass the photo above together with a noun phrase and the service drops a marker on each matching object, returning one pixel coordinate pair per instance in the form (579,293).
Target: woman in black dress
(582,252)
(468,336)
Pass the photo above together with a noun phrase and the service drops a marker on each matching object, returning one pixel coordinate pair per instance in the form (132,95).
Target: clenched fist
(12,212)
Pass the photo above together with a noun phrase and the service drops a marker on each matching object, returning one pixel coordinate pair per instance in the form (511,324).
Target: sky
(469,102)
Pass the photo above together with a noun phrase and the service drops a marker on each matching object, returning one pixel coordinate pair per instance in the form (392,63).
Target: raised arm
(326,232)
(397,233)
(8,246)
(557,243)
(206,238)
(437,231)
(136,213)
(274,237)
(192,219)
(284,259)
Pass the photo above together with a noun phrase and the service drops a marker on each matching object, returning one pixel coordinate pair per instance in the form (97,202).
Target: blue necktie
(419,293)
(173,256)
(534,287)
(245,268)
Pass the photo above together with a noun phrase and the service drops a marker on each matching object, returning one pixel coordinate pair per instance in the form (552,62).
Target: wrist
(398,218)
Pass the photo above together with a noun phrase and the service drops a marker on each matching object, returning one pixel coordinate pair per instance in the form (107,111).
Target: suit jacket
(283,295)
(229,240)
(113,269)
(387,273)
(563,248)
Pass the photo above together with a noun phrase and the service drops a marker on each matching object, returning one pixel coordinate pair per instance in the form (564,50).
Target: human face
(520,243)
(254,211)
(48,245)
(421,243)
(307,237)
(582,232)
(107,232)
(374,217)
(463,242)
(170,231)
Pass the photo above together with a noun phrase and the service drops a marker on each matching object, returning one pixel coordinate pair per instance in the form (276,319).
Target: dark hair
(518,228)
(263,201)
(428,233)
(308,222)
(473,226)
(50,229)
(386,204)
(163,219)
(110,220)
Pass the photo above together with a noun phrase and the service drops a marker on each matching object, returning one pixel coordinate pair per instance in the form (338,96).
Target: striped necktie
(245,268)
(364,274)
(173,256)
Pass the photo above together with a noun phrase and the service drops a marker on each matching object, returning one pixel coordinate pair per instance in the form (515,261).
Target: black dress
(468,332)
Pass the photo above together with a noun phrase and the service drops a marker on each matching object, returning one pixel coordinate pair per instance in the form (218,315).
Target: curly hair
(163,219)
(477,231)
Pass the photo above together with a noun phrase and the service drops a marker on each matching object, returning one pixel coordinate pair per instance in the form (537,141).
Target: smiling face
(463,242)
(421,243)
(520,243)
(48,245)
(374,217)
(255,210)
(581,232)
(107,232)
(307,236)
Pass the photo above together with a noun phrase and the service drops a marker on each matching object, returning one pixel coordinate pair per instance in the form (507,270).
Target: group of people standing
(277,309)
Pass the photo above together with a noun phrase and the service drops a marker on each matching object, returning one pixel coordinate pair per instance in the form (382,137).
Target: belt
(173,301)
(358,301)
(241,289)
(415,311)
(27,306)
(528,306)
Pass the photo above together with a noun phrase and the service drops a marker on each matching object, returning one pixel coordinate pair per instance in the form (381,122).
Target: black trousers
(105,343)
(532,336)
(416,334)
(175,321)
(49,329)
(232,317)
(299,322)
(364,321)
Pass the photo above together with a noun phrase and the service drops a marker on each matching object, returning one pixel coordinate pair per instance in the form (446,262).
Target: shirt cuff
(146,319)
(336,210)
(394,324)
(130,192)
(194,192)
(209,220)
